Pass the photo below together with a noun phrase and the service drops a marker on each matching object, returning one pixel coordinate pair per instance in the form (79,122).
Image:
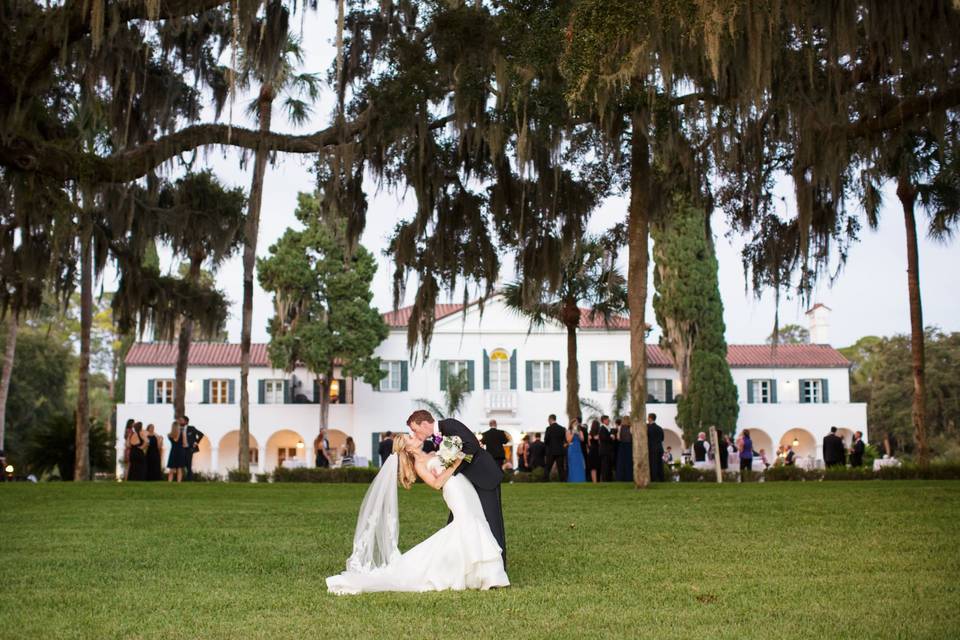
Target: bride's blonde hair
(406,474)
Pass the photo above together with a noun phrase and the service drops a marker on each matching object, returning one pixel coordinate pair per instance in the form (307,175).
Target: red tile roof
(202,354)
(401,317)
(759,356)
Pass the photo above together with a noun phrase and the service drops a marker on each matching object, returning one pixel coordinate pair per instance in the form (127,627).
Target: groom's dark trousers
(483,473)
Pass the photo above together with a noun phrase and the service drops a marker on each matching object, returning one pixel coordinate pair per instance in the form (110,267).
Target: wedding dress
(462,555)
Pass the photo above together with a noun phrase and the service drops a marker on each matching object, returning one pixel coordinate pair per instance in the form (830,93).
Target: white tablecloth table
(806,463)
(880,463)
(293,463)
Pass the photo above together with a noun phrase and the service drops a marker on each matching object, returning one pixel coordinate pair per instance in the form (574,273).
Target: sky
(868,298)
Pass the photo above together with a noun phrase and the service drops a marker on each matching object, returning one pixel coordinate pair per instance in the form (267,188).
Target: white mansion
(791,395)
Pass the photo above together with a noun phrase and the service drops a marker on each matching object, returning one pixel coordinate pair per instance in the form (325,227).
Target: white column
(214,460)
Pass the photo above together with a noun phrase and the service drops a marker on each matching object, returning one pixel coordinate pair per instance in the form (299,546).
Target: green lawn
(826,560)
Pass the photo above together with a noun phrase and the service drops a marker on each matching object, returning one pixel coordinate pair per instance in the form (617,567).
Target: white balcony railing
(500,401)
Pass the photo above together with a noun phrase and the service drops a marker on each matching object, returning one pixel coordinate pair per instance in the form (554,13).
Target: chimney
(818,321)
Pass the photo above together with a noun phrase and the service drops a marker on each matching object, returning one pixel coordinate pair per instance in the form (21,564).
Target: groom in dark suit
(482,471)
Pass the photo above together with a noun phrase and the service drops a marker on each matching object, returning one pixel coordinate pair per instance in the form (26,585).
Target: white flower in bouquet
(450,450)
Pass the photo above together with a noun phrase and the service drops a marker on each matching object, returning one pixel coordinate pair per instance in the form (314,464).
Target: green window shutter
(773,391)
(151,389)
(529,372)
(803,399)
(513,370)
(403,376)
(593,375)
(316,391)
(486,370)
(375,448)
(231,385)
(669,386)
(620,367)
(444,372)
(749,391)
(206,391)
(824,390)
(286,392)
(470,375)
(556,375)
(261,390)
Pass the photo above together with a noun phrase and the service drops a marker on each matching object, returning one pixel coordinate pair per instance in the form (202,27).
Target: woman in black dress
(138,455)
(154,453)
(593,451)
(177,461)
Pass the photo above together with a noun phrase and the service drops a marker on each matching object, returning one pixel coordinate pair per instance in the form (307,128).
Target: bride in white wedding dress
(462,555)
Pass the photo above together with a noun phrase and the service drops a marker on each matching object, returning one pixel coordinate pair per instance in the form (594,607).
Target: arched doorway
(335,441)
(286,445)
(202,460)
(802,441)
(229,451)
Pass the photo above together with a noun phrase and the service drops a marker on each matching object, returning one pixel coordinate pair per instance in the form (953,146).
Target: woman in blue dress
(576,470)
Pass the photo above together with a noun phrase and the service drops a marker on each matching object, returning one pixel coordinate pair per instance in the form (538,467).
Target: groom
(482,471)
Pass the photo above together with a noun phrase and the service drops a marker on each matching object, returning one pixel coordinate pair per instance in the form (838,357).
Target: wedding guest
(537,453)
(723,452)
(625,451)
(523,454)
(593,451)
(790,458)
(700,449)
(347,453)
(763,459)
(193,438)
(576,471)
(607,450)
(138,453)
(857,449)
(154,454)
(385,448)
(493,440)
(668,455)
(177,459)
(746,452)
(321,446)
(833,453)
(127,430)
(555,440)
(655,448)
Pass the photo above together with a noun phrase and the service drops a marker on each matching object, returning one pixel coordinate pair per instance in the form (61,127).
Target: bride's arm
(436,482)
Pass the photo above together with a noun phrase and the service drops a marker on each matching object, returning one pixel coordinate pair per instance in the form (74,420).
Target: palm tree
(271,59)
(454,395)
(588,276)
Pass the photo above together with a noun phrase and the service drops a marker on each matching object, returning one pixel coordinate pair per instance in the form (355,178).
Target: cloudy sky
(868,298)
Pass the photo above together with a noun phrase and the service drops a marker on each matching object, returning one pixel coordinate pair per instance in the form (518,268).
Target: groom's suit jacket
(483,471)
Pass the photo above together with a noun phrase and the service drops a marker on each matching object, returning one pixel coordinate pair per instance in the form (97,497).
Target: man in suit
(555,440)
(482,471)
(833,453)
(494,439)
(856,450)
(655,448)
(538,453)
(608,451)
(386,447)
(194,436)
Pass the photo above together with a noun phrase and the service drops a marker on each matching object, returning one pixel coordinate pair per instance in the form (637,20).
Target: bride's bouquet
(450,449)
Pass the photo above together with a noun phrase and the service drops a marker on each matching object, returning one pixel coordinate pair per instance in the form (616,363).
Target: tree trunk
(81,467)
(323,388)
(573,374)
(251,232)
(638,230)
(907,194)
(184,341)
(9,351)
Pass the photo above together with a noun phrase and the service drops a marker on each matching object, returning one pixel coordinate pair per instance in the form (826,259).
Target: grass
(828,560)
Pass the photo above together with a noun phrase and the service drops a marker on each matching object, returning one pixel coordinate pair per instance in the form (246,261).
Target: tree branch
(900,113)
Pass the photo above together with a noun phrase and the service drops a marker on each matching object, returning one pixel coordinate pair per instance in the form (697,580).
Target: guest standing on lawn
(177,460)
(321,446)
(555,439)
(138,453)
(347,453)
(493,440)
(746,452)
(523,454)
(154,454)
(127,430)
(576,471)
(385,448)
(857,449)
(625,451)
(608,450)
(593,451)
(537,453)
(655,448)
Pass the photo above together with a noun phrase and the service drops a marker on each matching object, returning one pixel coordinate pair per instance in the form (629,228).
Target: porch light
(300,444)
(9,468)
(796,443)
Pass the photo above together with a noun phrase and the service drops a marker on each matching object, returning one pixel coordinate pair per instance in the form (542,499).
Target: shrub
(537,475)
(235,475)
(344,474)
(852,473)
(689,473)
(206,476)
(784,472)
(263,477)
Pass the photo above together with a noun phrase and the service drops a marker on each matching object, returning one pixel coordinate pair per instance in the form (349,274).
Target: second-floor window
(219,392)
(813,391)
(607,372)
(394,380)
(273,392)
(541,375)
(659,390)
(760,391)
(162,391)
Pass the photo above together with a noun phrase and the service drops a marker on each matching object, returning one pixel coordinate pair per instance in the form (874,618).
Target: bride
(462,555)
